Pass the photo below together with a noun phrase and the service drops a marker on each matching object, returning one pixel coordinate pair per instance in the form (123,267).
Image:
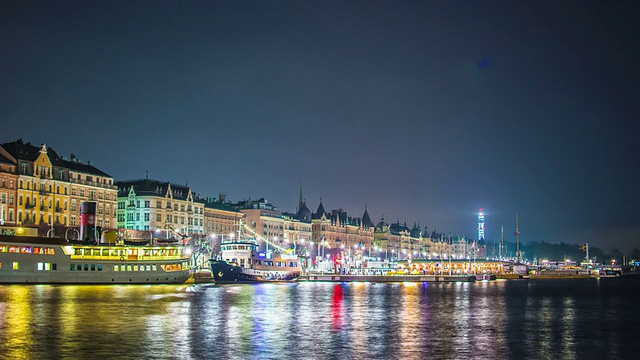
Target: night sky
(421,111)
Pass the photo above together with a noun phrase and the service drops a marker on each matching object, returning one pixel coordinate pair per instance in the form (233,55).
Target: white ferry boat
(33,260)
(240,262)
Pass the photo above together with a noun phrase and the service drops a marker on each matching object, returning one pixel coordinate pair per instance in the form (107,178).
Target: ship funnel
(88,231)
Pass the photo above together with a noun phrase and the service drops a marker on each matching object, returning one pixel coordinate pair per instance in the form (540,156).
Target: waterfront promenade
(388,278)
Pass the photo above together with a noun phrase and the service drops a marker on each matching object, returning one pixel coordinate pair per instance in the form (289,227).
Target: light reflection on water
(493,320)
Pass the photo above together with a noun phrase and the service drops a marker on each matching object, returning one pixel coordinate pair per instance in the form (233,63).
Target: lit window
(116,267)
(16,266)
(40,266)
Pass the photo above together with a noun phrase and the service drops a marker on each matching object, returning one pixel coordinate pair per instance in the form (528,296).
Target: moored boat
(240,262)
(33,260)
(36,260)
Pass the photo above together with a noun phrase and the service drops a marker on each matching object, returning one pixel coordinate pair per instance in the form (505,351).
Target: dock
(387,278)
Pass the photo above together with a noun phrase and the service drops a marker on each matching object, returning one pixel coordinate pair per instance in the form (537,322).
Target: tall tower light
(480,225)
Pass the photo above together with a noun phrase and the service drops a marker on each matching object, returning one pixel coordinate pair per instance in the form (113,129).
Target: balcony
(43,208)
(43,192)
(30,206)
(59,209)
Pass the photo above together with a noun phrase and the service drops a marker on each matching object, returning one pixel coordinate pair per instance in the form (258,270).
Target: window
(146,216)
(147,203)
(16,265)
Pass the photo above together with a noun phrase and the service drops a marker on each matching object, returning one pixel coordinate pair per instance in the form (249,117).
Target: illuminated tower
(480,225)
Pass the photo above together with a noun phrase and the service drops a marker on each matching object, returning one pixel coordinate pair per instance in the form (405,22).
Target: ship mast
(501,242)
(517,239)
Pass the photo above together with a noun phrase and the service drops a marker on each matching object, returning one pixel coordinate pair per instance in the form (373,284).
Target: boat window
(93,267)
(79,267)
(148,268)
(135,267)
(26,249)
(0,264)
(3,248)
(116,267)
(86,267)
(128,267)
(141,267)
(38,250)
(54,266)
(16,266)
(40,266)
(73,267)
(49,251)
(154,267)
(14,249)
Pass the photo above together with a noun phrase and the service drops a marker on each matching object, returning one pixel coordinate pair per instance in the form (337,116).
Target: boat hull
(225,273)
(96,279)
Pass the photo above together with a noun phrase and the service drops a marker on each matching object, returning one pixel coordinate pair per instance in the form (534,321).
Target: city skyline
(422,112)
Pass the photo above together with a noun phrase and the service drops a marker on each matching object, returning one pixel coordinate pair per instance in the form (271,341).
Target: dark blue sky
(423,111)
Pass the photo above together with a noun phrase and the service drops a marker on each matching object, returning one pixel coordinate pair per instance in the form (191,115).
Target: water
(572,319)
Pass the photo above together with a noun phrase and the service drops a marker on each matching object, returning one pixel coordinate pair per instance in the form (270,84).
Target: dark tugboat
(241,263)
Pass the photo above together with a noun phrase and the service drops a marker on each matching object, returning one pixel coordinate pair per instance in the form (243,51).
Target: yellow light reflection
(17,317)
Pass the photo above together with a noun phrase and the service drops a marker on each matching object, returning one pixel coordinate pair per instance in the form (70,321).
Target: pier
(388,278)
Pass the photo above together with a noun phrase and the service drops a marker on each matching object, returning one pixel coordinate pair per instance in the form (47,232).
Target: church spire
(300,200)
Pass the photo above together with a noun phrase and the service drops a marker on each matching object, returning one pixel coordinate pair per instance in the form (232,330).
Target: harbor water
(547,319)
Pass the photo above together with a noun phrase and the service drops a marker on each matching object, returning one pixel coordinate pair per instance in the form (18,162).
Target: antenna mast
(517,239)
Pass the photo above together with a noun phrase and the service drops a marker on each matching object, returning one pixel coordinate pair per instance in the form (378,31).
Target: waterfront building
(154,205)
(297,227)
(219,217)
(393,240)
(264,218)
(48,189)
(42,181)
(296,232)
(8,189)
(87,183)
(342,236)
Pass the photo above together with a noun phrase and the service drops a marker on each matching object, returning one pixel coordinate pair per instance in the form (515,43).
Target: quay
(388,278)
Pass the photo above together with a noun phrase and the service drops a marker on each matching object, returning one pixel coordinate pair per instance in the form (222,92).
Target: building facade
(44,183)
(339,235)
(157,206)
(220,218)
